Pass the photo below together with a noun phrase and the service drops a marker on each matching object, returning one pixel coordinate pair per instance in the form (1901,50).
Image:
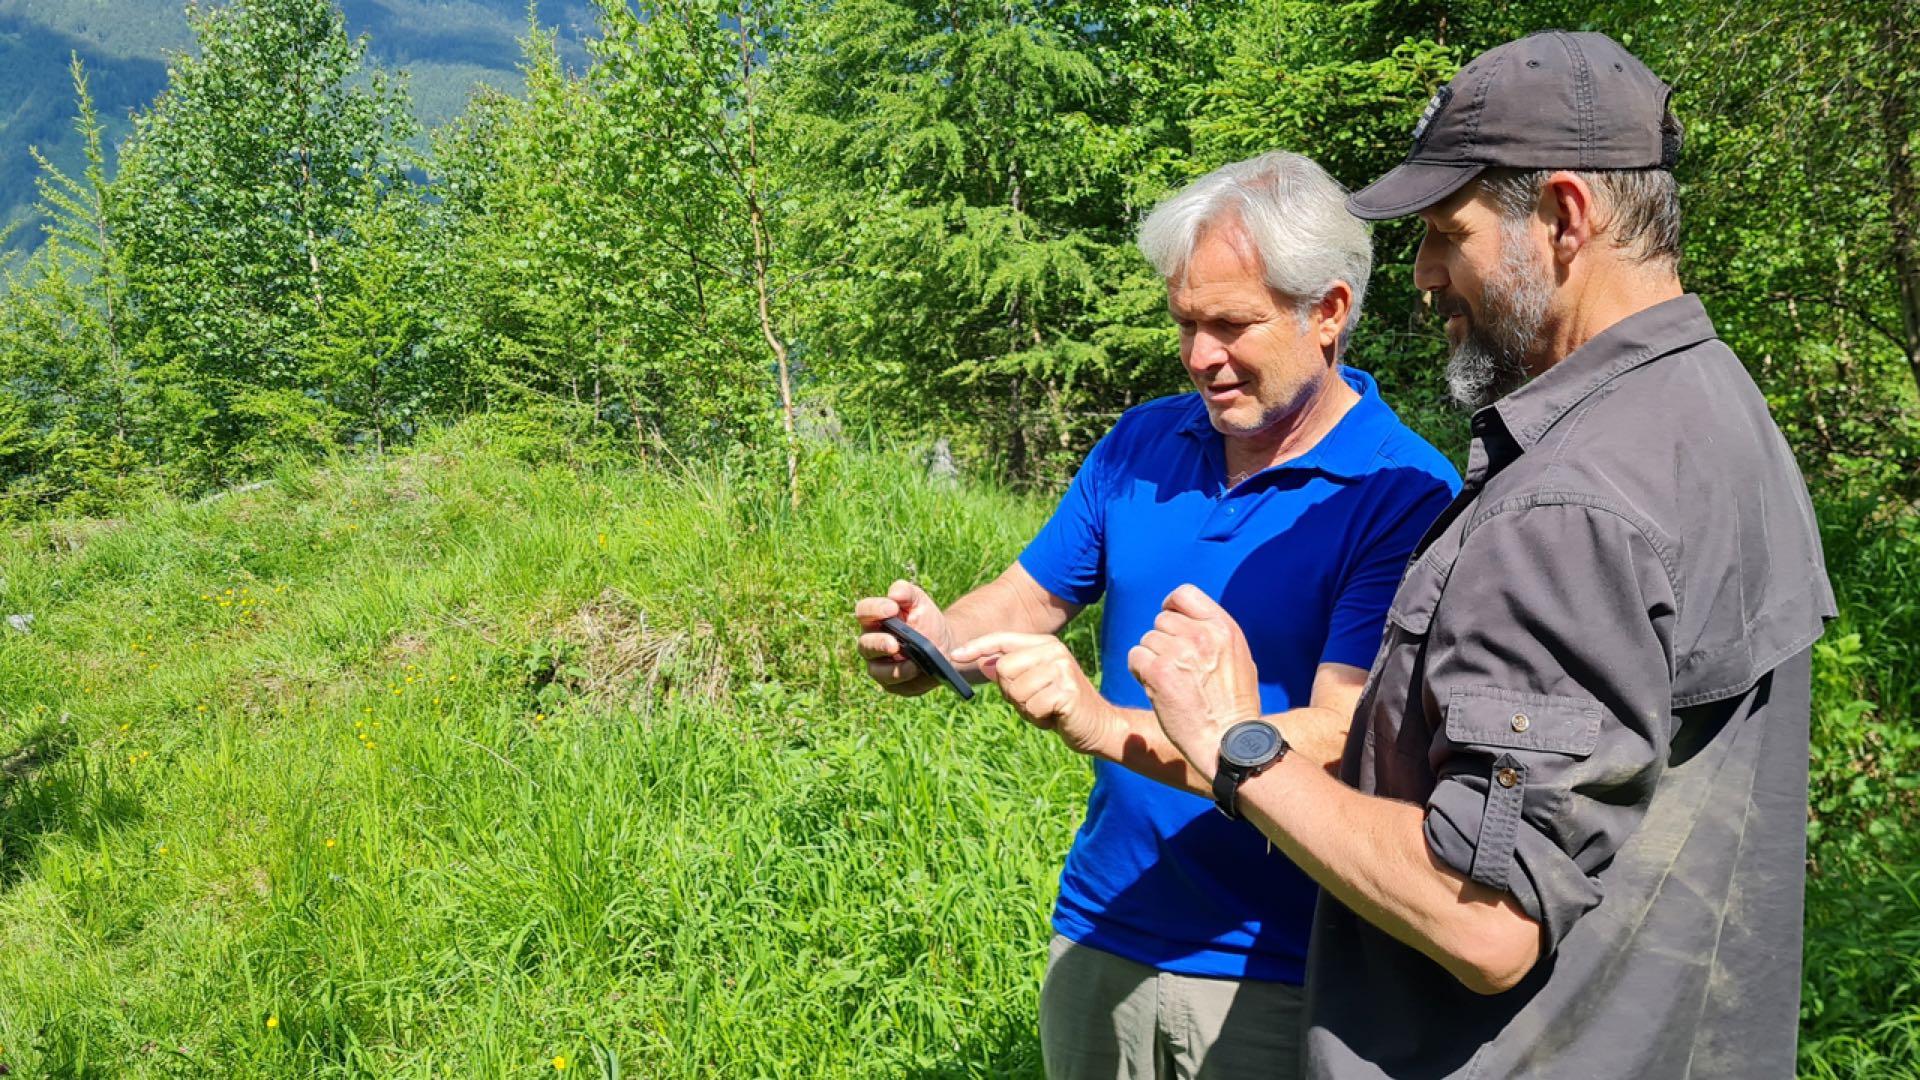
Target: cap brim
(1410,188)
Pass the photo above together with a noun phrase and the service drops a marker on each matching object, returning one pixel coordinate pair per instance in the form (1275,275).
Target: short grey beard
(1491,362)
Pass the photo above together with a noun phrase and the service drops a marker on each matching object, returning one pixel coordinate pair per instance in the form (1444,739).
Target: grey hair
(1641,207)
(1294,214)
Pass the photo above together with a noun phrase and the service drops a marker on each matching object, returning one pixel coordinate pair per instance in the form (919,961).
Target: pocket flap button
(1520,722)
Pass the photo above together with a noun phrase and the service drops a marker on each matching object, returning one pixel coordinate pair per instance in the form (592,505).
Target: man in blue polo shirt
(1287,490)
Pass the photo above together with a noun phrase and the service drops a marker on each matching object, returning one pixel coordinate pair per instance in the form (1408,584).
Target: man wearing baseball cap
(1571,836)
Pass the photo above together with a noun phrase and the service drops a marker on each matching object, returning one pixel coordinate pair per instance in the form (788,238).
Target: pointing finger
(1003,642)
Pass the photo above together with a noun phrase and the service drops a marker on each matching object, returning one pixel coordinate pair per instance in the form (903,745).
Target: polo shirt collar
(1529,412)
(1345,452)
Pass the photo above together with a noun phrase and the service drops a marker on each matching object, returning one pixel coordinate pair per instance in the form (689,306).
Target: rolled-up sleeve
(1550,661)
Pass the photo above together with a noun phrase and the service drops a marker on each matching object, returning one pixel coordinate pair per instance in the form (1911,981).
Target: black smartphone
(928,657)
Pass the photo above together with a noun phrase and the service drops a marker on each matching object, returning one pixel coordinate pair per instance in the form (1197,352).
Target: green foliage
(976,170)
(619,229)
(1861,1006)
(1866,776)
(72,423)
(240,197)
(1801,191)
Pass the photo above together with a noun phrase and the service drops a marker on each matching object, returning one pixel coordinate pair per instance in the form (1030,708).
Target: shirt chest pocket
(1401,726)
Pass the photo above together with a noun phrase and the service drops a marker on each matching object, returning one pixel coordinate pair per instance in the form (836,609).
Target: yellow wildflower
(272,1022)
(559,1061)
(331,841)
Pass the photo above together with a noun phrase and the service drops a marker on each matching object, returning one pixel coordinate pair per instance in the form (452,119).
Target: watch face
(1250,742)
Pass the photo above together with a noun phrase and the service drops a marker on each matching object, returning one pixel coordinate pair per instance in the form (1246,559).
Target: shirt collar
(1347,451)
(1529,412)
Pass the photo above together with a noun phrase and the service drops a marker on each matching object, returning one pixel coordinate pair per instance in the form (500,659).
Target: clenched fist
(1199,674)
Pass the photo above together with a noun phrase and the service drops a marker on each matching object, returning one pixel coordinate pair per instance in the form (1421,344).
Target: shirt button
(1232,509)
(1507,777)
(1520,722)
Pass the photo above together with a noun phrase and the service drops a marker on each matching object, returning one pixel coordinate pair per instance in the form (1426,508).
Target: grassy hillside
(457,765)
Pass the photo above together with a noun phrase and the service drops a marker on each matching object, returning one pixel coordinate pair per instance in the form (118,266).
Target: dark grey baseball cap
(1551,100)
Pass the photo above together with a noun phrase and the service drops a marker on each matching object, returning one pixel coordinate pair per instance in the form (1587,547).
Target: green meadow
(457,764)
(453,765)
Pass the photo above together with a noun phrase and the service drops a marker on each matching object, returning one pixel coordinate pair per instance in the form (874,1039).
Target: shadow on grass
(1009,1052)
(45,790)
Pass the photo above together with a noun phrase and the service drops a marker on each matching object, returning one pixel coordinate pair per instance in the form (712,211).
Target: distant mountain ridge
(447,47)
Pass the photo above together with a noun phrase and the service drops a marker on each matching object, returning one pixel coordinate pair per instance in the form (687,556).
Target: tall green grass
(1861,1009)
(459,765)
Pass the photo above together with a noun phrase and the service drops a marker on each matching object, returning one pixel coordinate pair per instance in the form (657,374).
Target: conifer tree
(74,420)
(974,182)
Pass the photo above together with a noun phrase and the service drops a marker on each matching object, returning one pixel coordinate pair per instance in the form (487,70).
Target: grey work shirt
(1595,678)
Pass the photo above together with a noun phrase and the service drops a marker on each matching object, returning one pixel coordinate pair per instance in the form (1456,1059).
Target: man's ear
(1329,315)
(1567,206)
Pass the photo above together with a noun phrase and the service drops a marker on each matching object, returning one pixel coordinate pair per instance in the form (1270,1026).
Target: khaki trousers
(1102,1018)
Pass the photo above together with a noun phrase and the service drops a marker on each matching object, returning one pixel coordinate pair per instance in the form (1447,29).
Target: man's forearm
(1313,734)
(1139,744)
(1317,734)
(1372,855)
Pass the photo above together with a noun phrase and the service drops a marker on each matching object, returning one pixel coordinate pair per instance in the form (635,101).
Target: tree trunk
(1019,455)
(305,151)
(762,259)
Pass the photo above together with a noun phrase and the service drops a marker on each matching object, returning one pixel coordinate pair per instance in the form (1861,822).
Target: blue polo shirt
(1306,556)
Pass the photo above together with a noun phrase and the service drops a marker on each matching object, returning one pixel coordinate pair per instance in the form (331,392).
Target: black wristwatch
(1248,749)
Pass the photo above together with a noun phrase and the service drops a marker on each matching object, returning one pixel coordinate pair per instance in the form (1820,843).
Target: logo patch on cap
(1440,99)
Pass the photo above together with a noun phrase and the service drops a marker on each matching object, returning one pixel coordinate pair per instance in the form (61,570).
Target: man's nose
(1208,351)
(1429,270)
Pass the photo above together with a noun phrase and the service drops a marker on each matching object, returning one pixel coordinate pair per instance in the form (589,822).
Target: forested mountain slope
(445,46)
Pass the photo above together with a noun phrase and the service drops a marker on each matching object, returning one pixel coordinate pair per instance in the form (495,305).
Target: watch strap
(1226,788)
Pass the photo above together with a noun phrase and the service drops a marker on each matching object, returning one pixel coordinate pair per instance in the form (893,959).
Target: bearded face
(1488,358)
